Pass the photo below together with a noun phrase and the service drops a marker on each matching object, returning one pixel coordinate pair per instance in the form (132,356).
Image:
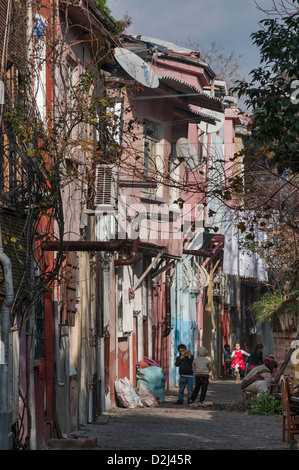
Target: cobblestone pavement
(182,427)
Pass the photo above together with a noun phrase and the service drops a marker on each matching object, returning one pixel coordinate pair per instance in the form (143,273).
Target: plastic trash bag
(126,395)
(146,396)
(154,378)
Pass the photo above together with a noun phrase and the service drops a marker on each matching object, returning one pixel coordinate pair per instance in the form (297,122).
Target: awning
(192,113)
(191,94)
(88,16)
(153,249)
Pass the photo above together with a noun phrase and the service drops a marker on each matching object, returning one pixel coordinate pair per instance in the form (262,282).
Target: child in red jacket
(238,361)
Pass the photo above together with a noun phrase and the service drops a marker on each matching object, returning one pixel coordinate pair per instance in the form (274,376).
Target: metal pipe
(59,380)
(167,329)
(30,327)
(5,410)
(30,382)
(149,293)
(133,255)
(101,369)
(83,245)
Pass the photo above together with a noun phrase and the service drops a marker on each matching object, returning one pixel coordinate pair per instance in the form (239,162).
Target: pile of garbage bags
(154,378)
(150,390)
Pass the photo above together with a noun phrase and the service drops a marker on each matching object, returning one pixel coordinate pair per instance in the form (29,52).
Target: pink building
(158,191)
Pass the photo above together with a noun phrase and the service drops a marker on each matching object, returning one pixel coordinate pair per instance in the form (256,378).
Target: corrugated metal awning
(198,116)
(191,94)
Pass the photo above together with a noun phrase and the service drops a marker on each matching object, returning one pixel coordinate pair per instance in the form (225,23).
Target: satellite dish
(211,128)
(136,67)
(186,150)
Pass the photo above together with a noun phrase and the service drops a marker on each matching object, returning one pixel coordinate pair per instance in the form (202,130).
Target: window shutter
(105,185)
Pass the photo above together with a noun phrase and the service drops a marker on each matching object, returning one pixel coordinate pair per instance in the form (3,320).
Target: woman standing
(256,358)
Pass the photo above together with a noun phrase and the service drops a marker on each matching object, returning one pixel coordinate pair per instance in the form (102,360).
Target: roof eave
(82,9)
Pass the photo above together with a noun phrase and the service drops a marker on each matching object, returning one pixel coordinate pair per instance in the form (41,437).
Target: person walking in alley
(184,361)
(227,359)
(238,361)
(256,358)
(202,367)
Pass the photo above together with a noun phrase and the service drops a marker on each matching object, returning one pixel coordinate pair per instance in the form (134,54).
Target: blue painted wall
(183,319)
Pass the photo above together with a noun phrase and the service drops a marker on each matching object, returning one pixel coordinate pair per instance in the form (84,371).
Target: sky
(228,22)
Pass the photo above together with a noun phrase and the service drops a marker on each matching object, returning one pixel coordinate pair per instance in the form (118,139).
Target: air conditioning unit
(106,185)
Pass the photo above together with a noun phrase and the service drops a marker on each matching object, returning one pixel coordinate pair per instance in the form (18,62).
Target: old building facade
(117,231)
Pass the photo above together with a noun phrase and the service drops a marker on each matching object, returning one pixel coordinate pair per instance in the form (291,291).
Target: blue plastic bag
(154,378)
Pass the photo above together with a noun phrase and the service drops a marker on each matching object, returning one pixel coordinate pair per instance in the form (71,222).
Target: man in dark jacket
(184,362)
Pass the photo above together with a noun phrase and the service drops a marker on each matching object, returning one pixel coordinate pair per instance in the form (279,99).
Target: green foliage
(120,25)
(102,6)
(265,404)
(275,126)
(275,303)
(262,404)
(267,305)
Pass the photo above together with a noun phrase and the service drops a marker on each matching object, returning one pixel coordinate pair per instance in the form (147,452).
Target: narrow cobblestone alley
(181,427)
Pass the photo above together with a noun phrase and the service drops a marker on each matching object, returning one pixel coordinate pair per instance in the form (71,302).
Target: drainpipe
(149,291)
(167,329)
(82,245)
(5,410)
(30,382)
(56,327)
(30,374)
(30,326)
(133,255)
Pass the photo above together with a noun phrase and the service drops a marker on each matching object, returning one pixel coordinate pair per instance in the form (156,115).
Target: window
(174,178)
(70,83)
(14,176)
(108,132)
(125,300)
(151,139)
(39,78)
(108,135)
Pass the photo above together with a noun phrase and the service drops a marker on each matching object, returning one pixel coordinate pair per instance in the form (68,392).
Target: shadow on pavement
(219,391)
